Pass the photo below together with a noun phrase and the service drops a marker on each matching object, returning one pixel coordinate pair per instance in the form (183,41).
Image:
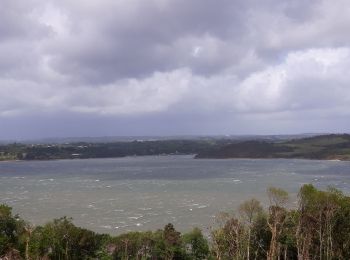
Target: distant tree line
(105,150)
(329,147)
(334,146)
(319,228)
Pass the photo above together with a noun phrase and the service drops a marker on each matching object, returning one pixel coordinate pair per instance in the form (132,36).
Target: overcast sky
(173,67)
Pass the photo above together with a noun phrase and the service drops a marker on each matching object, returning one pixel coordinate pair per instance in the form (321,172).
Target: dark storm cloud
(18,21)
(113,41)
(110,43)
(19,34)
(217,66)
(154,36)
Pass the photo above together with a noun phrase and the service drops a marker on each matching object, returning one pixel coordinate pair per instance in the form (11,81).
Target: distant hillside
(315,147)
(83,150)
(329,147)
(116,139)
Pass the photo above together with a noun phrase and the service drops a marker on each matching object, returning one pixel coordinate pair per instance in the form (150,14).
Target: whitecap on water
(106,227)
(135,217)
(122,226)
(153,214)
(46,180)
(144,209)
(192,205)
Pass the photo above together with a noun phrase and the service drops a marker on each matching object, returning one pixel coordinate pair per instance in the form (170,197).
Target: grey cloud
(114,41)
(179,66)
(18,20)
(20,37)
(152,39)
(77,125)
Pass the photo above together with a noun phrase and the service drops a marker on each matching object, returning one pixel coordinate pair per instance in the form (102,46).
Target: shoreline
(194,157)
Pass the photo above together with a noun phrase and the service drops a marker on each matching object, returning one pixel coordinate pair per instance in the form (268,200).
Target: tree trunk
(272,250)
(27,249)
(248,247)
(320,235)
(66,251)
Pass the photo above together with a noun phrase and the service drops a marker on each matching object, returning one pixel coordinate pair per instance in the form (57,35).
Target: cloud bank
(173,67)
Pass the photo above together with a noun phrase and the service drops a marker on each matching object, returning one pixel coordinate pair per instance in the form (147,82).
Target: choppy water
(142,193)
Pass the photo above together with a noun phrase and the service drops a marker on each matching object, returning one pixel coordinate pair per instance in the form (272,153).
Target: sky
(173,67)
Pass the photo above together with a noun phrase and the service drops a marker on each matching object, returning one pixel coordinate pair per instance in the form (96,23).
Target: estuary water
(145,193)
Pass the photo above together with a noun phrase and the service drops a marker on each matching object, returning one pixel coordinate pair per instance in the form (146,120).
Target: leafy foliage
(317,147)
(318,229)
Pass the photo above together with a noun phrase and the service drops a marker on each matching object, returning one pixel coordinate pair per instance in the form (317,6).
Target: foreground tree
(196,245)
(277,216)
(318,217)
(61,239)
(319,228)
(229,240)
(249,211)
(261,237)
(10,229)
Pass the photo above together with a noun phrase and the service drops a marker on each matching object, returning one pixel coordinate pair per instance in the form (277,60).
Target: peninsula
(321,147)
